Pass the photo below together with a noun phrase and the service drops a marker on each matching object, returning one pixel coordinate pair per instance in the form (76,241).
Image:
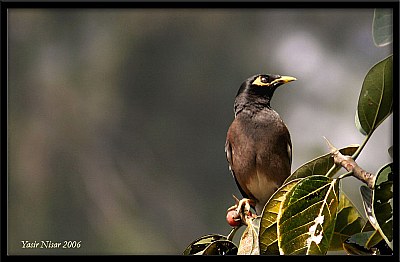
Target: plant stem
(348,163)
(232,233)
(354,156)
(358,151)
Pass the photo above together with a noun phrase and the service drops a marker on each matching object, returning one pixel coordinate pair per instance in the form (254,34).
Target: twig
(348,163)
(232,233)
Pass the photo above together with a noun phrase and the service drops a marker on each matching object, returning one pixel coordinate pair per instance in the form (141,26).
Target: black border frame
(6,5)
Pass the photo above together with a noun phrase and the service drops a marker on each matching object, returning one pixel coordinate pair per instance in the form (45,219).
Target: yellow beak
(283,80)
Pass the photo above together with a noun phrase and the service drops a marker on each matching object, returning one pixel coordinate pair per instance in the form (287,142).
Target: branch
(348,163)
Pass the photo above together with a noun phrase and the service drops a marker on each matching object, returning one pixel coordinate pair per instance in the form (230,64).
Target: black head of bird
(258,90)
(258,145)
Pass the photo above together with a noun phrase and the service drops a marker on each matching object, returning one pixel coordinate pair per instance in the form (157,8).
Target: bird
(258,146)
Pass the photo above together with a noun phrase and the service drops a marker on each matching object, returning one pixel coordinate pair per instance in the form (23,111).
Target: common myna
(258,145)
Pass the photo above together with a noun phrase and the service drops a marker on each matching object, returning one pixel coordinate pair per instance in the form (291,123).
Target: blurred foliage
(382,27)
(117,117)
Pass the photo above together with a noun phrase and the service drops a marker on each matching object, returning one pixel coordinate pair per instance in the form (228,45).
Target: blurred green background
(117,117)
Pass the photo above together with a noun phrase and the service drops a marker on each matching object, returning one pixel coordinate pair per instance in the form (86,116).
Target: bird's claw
(242,207)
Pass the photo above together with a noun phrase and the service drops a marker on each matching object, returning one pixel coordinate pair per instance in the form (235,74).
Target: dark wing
(289,150)
(229,154)
(289,145)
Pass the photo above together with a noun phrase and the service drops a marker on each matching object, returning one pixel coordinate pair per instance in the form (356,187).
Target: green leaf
(268,239)
(382,27)
(367,227)
(366,195)
(348,222)
(373,240)
(383,202)
(201,243)
(355,245)
(320,165)
(307,216)
(378,203)
(375,100)
(366,243)
(220,247)
(249,244)
(390,151)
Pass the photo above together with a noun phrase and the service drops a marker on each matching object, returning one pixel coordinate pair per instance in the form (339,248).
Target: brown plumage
(258,145)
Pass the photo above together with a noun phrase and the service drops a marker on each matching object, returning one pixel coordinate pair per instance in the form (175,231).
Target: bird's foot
(240,213)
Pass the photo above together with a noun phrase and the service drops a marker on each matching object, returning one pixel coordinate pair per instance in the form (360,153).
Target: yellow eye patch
(280,80)
(259,82)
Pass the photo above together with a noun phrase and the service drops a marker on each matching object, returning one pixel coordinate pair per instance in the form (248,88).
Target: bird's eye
(264,79)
